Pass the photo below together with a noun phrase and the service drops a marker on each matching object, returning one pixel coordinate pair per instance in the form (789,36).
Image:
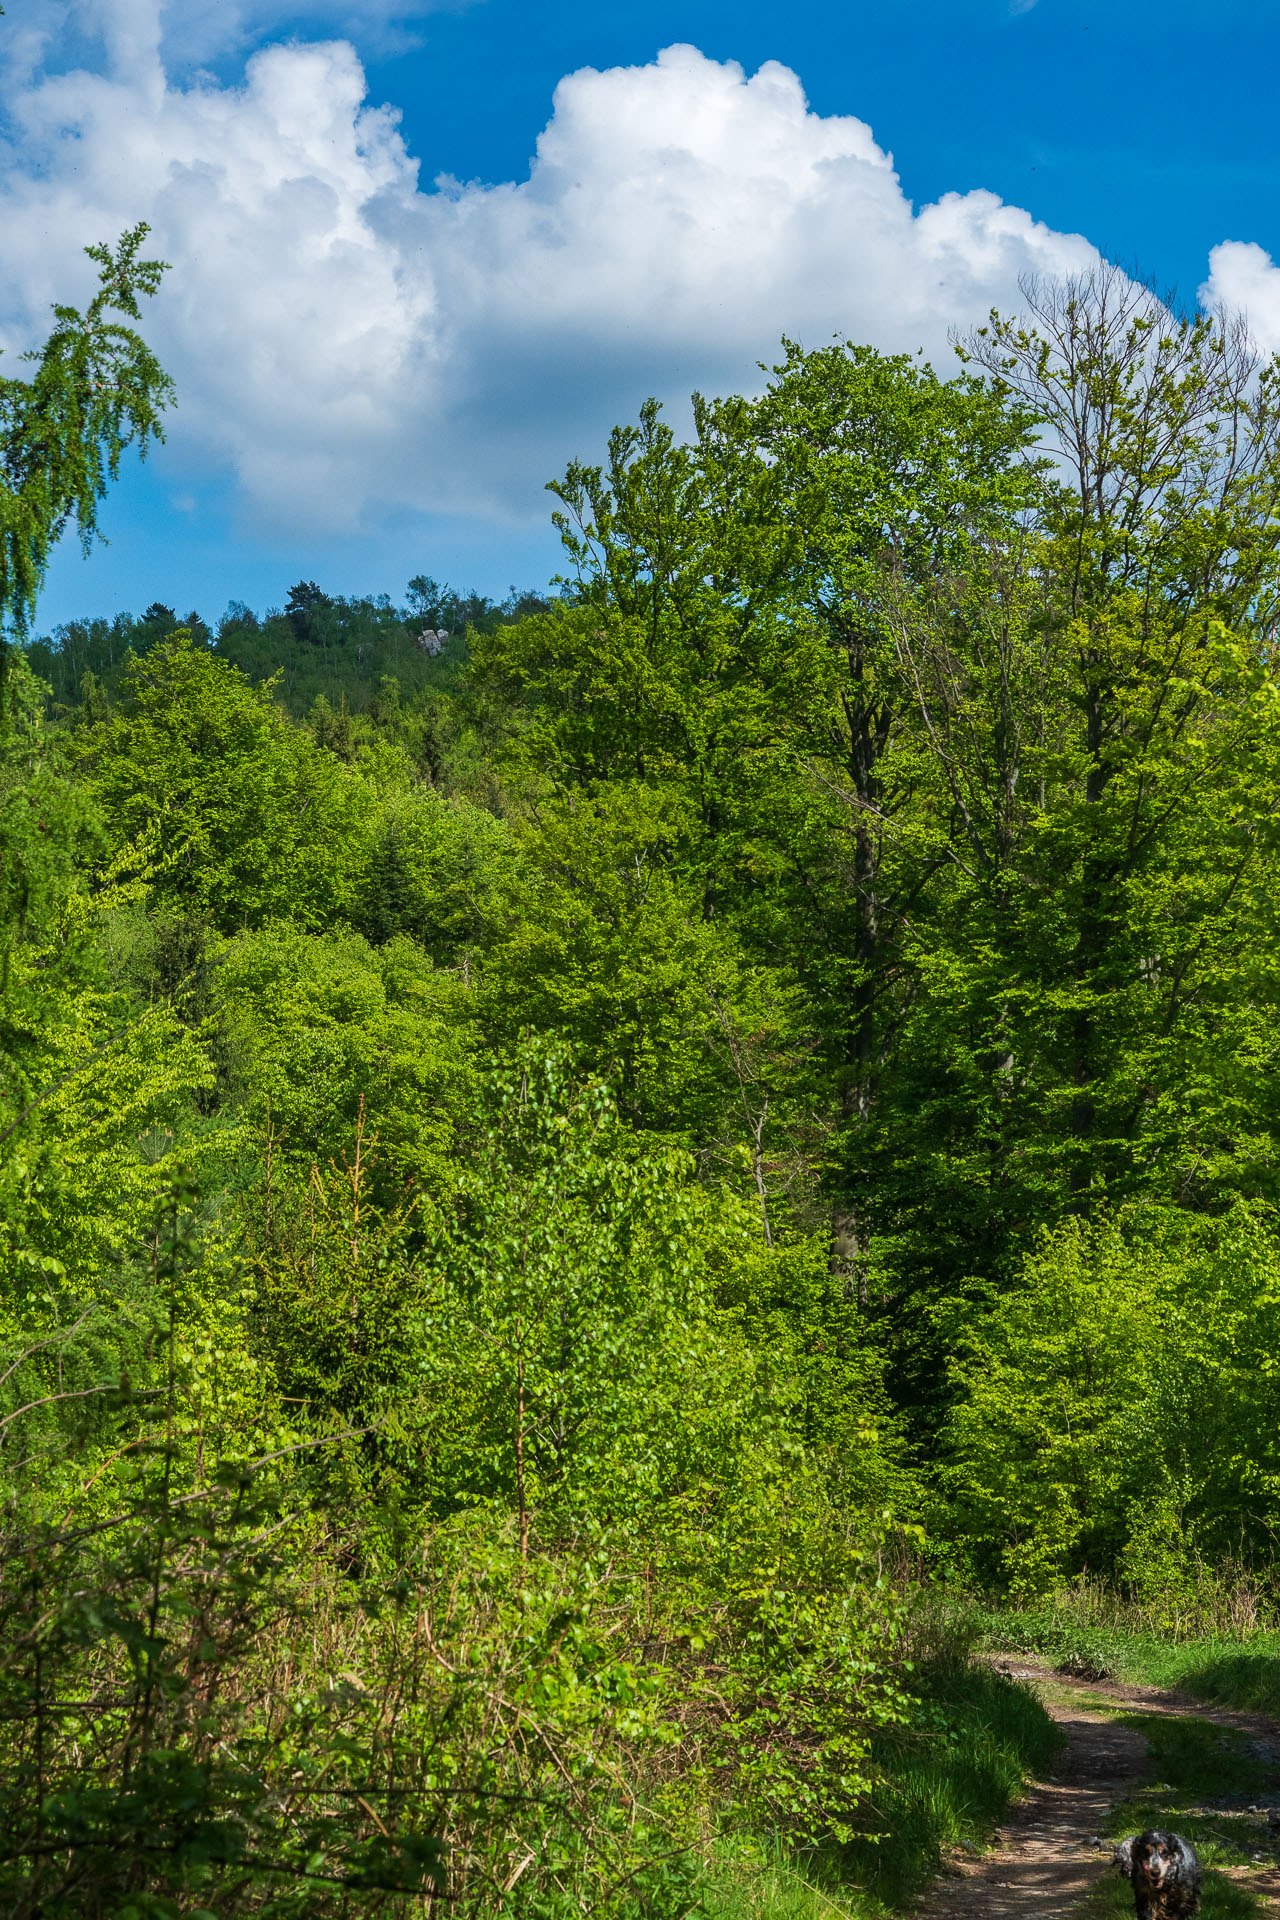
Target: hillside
(588,1180)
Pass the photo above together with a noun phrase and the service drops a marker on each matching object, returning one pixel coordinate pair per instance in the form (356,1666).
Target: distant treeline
(321,645)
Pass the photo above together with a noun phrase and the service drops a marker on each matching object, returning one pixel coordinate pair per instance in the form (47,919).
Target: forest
(597,1186)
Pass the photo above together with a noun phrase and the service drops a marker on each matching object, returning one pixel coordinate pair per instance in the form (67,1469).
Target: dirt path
(1047,1857)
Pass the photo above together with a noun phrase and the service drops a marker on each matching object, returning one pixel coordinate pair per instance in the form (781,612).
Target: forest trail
(1048,1854)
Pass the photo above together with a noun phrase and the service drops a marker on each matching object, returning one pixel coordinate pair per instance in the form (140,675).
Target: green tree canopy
(240,816)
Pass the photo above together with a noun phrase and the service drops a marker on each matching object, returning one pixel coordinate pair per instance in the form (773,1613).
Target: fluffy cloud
(347,341)
(1245,279)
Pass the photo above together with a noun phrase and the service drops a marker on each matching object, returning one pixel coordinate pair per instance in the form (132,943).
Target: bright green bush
(320,1028)
(1119,1410)
(243,818)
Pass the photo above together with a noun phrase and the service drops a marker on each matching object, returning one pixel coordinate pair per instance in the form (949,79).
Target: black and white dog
(1164,1873)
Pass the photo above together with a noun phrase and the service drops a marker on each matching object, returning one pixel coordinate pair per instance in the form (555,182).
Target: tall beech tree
(733,638)
(1158,573)
(882,475)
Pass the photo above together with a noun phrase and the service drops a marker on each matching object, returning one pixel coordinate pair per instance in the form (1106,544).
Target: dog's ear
(1123,1856)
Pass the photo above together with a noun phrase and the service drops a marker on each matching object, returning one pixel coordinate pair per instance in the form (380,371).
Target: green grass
(1234,1673)
(1196,1757)
(755,1879)
(948,1779)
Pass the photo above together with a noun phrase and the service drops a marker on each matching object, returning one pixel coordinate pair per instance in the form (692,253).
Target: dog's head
(1155,1859)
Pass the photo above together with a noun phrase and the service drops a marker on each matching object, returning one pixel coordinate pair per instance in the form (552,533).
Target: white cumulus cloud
(1245,279)
(347,339)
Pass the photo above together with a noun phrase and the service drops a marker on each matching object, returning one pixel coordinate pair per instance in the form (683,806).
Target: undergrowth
(949,1776)
(1230,1673)
(1226,1651)
(945,1779)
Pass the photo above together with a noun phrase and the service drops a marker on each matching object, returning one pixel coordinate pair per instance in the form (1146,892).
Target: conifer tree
(97,389)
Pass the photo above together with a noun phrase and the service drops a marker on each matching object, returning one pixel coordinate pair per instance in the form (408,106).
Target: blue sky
(376,376)
(1109,117)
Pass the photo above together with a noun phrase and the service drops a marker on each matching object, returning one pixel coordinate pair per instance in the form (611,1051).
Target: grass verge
(1233,1673)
